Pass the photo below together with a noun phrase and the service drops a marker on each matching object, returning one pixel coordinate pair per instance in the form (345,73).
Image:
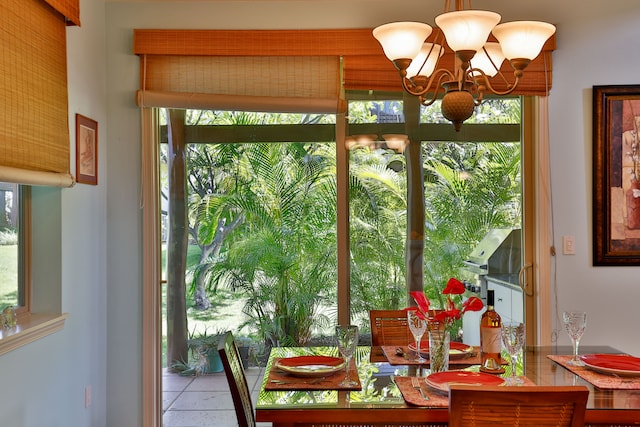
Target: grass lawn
(225,312)
(8,275)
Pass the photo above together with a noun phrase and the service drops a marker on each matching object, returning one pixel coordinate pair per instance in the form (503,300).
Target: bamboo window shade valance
(364,65)
(278,84)
(70,9)
(34,129)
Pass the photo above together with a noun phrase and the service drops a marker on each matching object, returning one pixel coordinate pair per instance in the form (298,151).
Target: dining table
(385,395)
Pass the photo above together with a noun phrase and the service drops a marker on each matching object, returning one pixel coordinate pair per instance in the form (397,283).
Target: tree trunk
(3,208)
(177,241)
(200,299)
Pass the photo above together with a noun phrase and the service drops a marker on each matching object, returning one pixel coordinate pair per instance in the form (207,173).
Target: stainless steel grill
(498,257)
(496,262)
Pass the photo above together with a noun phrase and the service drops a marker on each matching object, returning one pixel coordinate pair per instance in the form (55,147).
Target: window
(30,215)
(12,286)
(34,90)
(277,192)
(240,164)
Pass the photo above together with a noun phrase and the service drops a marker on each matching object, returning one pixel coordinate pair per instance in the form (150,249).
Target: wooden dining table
(379,402)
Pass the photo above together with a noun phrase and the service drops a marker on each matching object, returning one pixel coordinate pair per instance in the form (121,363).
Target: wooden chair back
(539,406)
(234,371)
(389,327)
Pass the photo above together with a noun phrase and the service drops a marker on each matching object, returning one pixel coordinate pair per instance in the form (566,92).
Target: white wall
(595,46)
(43,383)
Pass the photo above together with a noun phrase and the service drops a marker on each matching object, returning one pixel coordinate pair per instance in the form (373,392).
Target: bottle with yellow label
(491,337)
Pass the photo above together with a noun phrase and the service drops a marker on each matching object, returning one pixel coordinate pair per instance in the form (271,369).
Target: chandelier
(466,32)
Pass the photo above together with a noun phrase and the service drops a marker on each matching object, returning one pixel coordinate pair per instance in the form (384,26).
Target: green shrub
(8,237)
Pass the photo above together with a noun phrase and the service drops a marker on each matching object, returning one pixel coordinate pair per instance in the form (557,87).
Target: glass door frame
(536,218)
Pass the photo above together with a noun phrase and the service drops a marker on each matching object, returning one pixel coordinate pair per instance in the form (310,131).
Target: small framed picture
(86,150)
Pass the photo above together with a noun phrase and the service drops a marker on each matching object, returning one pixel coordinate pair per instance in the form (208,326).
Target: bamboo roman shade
(194,77)
(282,84)
(70,9)
(34,131)
(364,64)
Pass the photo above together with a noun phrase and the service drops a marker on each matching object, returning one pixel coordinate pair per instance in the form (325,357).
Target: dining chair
(539,406)
(234,371)
(389,327)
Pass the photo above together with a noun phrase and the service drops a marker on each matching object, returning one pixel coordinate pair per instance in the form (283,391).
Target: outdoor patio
(203,401)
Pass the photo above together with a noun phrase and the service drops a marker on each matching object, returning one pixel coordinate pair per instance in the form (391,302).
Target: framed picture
(616,175)
(86,150)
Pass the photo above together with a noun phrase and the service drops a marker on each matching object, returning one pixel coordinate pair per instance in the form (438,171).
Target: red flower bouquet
(439,322)
(450,313)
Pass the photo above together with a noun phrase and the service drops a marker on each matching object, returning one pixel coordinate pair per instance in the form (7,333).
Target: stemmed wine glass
(417,326)
(575,322)
(513,339)
(347,343)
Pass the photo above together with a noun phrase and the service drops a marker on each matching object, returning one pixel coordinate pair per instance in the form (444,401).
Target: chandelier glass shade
(477,60)
(397,142)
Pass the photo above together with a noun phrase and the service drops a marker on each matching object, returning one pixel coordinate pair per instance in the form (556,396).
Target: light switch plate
(568,245)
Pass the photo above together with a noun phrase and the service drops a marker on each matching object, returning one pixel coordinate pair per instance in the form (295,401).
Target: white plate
(456,349)
(442,380)
(310,366)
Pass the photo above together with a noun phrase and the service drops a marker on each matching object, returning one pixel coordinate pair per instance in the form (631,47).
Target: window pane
(262,225)
(9,248)
(262,214)
(469,188)
(388,111)
(377,209)
(378,224)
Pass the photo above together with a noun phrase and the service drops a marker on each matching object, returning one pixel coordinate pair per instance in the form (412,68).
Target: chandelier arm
(484,83)
(478,100)
(504,79)
(424,100)
(421,90)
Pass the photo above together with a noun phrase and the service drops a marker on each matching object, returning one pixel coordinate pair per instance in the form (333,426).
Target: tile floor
(203,401)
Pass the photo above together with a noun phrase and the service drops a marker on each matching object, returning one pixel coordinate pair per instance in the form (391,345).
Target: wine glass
(575,323)
(513,339)
(417,326)
(347,342)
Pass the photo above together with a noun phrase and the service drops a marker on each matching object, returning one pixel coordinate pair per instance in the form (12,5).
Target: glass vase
(439,340)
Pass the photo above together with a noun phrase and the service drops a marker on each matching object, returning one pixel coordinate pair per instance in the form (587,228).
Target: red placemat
(600,380)
(437,398)
(407,358)
(279,380)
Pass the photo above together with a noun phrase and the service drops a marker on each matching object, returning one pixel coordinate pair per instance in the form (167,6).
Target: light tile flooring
(203,401)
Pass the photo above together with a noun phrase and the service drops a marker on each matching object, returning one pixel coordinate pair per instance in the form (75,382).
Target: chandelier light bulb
(426,61)
(491,63)
(523,39)
(402,40)
(467,29)
(396,141)
(359,141)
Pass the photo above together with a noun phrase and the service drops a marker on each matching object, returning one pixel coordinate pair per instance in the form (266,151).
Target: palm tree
(283,257)
(378,207)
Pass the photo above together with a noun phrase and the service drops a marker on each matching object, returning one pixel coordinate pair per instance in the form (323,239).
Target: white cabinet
(508,301)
